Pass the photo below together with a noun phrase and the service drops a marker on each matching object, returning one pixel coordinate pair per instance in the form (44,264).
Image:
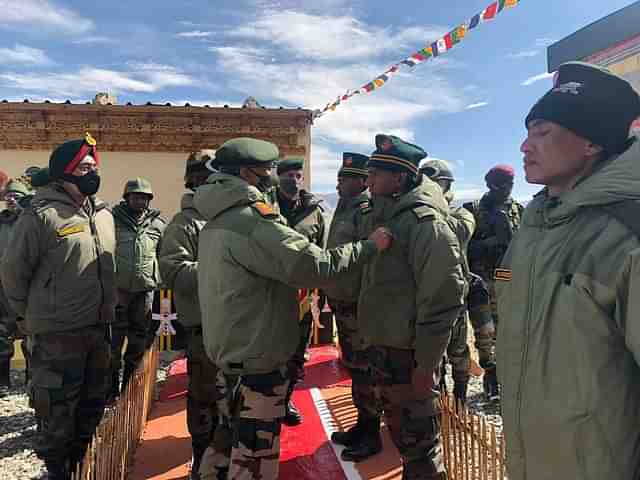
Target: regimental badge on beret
(89,139)
(570,87)
(348,162)
(386,145)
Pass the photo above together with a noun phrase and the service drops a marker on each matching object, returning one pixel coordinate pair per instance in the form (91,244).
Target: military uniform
(178,261)
(137,275)
(410,296)
(9,330)
(496,225)
(305,216)
(60,277)
(250,267)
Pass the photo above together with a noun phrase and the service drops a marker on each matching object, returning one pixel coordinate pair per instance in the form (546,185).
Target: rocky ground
(18,434)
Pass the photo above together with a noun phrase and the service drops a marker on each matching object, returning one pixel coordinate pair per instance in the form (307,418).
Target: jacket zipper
(525,355)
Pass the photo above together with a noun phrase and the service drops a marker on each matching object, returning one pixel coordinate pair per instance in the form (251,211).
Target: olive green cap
(40,178)
(17,187)
(246,152)
(393,153)
(138,185)
(437,170)
(354,165)
(290,163)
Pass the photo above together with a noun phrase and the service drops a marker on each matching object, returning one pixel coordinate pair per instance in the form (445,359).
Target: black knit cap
(593,103)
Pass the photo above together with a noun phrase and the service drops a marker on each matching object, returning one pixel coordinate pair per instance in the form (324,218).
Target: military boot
(491,386)
(5,377)
(292,416)
(369,444)
(351,436)
(196,461)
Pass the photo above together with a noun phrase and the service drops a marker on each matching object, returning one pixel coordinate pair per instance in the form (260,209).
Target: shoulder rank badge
(502,274)
(264,209)
(66,231)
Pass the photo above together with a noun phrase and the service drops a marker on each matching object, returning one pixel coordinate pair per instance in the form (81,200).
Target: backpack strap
(626,212)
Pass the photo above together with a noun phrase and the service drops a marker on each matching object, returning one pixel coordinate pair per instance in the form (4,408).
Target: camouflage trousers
(133,320)
(355,359)
(70,372)
(411,411)
(246,444)
(458,352)
(202,395)
(296,364)
(480,307)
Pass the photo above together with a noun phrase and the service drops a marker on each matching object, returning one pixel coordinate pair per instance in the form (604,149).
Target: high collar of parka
(487,203)
(54,193)
(428,193)
(614,180)
(123,213)
(222,192)
(186,203)
(349,202)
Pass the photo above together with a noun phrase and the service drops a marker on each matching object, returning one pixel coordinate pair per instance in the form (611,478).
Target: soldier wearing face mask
(60,277)
(497,218)
(305,214)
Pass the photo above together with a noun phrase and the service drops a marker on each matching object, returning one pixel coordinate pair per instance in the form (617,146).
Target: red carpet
(306,452)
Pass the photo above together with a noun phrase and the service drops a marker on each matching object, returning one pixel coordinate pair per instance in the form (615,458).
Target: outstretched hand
(383,238)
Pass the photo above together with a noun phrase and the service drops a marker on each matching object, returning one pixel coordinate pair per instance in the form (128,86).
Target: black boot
(292,416)
(5,376)
(369,444)
(460,392)
(349,437)
(196,461)
(491,386)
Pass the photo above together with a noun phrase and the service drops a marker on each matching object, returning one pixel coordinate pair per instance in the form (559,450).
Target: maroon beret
(500,174)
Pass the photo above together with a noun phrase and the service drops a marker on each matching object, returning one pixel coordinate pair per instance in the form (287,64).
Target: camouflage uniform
(249,269)
(178,261)
(496,225)
(411,296)
(138,241)
(60,278)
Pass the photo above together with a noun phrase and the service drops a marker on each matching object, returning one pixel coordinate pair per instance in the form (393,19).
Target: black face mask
(290,186)
(88,184)
(265,182)
(500,194)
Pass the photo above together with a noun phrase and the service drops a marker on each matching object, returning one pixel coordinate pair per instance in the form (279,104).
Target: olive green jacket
(137,247)
(7,222)
(569,337)
(249,268)
(411,294)
(345,224)
(59,270)
(179,260)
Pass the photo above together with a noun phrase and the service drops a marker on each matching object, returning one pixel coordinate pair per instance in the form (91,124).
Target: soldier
(305,214)
(179,268)
(463,224)
(60,277)
(250,266)
(410,297)
(138,233)
(569,345)
(343,298)
(497,219)
(15,191)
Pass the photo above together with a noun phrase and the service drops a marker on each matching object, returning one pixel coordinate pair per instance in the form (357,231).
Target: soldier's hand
(383,238)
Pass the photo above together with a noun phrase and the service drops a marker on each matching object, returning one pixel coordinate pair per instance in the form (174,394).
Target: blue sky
(467,107)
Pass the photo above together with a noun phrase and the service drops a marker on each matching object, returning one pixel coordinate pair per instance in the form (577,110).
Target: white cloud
(325,162)
(94,40)
(544,42)
(144,78)
(476,105)
(23,55)
(43,13)
(524,54)
(324,37)
(194,34)
(536,78)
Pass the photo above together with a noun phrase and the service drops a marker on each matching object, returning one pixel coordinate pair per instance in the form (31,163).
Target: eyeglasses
(86,168)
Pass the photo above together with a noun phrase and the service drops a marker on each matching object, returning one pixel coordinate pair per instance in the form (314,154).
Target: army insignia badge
(89,139)
(264,209)
(502,274)
(65,232)
(348,162)
(386,145)
(570,87)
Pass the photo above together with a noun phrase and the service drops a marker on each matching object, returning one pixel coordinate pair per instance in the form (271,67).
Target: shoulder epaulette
(264,209)
(423,212)
(365,206)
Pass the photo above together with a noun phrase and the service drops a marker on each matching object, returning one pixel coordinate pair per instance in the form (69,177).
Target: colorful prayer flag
(475,21)
(489,12)
(378,82)
(427,52)
(434,49)
(448,42)
(442,45)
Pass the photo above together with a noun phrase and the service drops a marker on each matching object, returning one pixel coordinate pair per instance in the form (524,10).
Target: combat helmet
(437,170)
(138,185)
